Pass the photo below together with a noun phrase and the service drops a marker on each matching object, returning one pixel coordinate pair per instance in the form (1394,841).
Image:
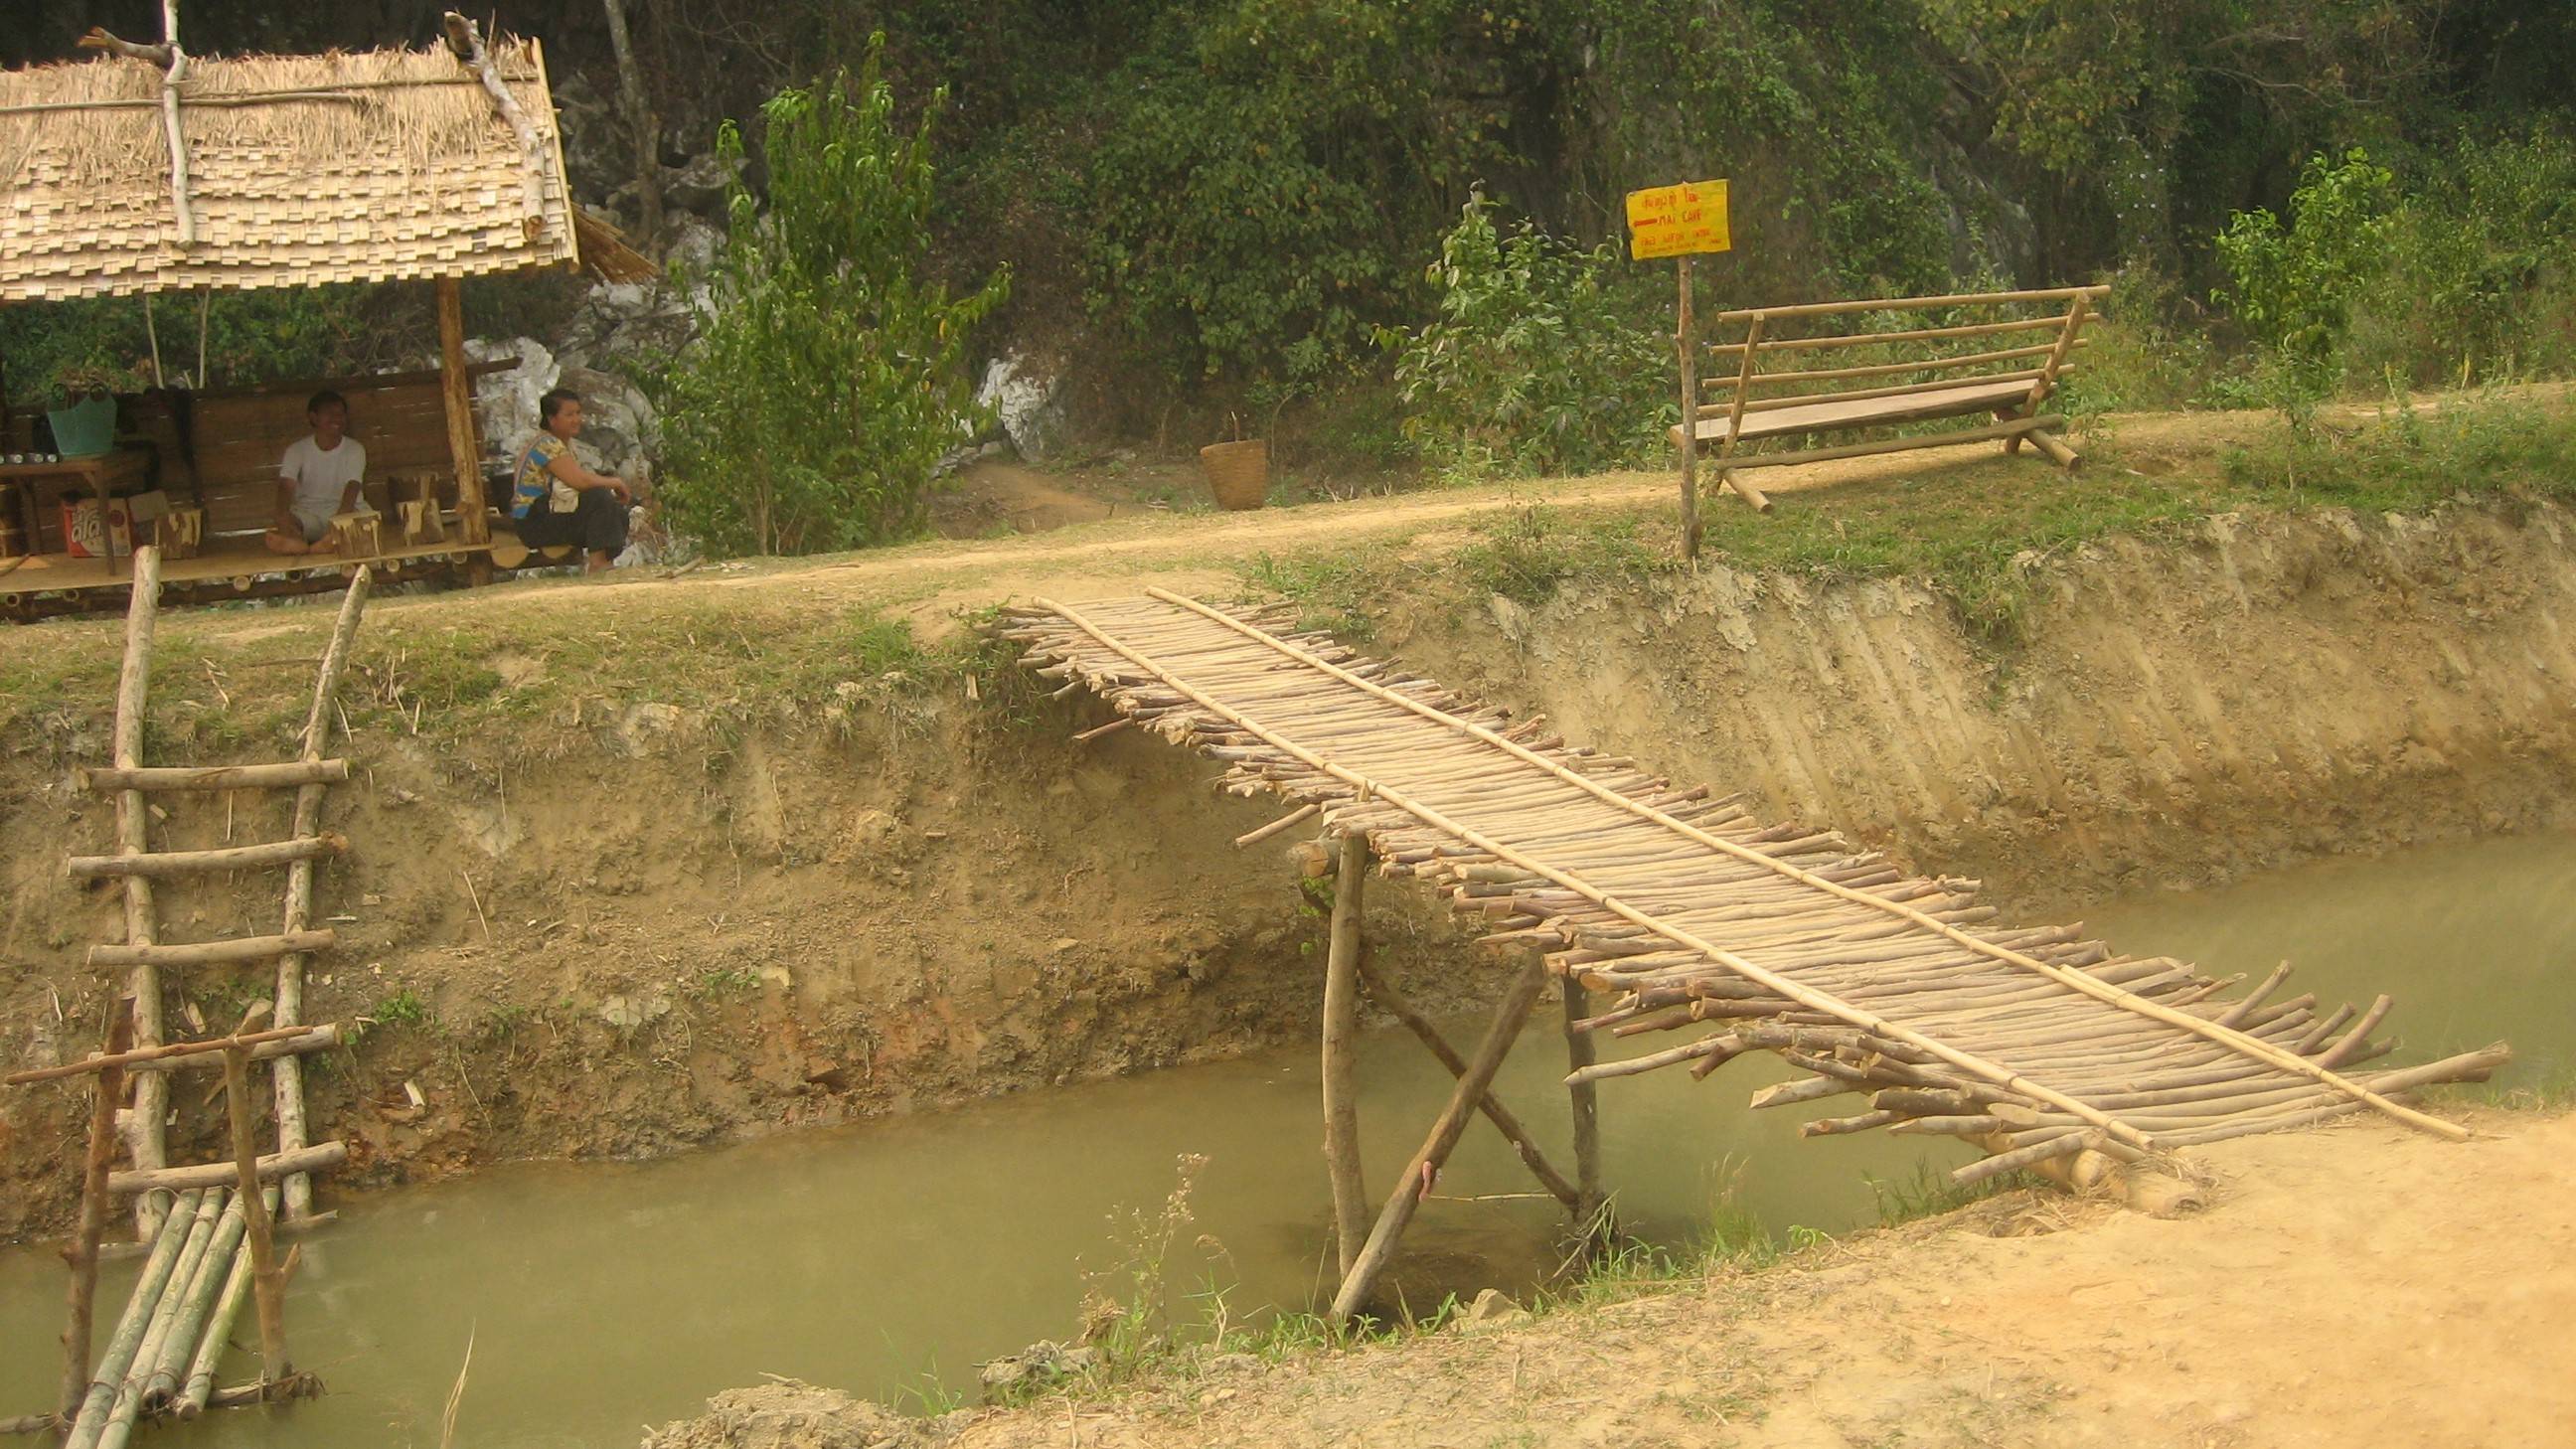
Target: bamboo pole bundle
(163,1375)
(91,1419)
(199,1387)
(129,1390)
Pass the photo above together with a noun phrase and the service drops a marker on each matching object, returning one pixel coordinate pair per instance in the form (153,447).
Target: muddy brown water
(892,1256)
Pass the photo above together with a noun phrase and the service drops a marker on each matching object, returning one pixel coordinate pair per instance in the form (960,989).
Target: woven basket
(1237,473)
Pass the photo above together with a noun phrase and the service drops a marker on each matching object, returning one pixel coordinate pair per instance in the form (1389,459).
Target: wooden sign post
(1682,221)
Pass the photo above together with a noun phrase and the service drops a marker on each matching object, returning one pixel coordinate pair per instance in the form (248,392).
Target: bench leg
(2057,451)
(2012,445)
(1744,490)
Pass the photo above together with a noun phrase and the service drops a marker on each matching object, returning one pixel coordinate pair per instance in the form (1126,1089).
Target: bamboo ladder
(165,1195)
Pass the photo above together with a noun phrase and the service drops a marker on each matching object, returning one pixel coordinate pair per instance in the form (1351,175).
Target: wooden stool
(180,532)
(361,535)
(421,522)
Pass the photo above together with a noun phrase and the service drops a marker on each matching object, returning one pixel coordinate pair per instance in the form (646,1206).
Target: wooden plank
(1986,434)
(1921,405)
(1904,304)
(1893,369)
(241,560)
(1855,394)
(1867,339)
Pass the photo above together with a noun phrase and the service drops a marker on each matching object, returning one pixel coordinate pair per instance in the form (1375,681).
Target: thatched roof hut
(344,167)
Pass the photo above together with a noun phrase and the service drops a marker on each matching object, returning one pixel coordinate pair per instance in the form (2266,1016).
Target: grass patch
(1978,534)
(1529,557)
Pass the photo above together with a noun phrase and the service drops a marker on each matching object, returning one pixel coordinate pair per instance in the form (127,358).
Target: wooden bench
(2009,384)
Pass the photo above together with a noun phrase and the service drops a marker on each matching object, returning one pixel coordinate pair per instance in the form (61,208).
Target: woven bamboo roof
(347,167)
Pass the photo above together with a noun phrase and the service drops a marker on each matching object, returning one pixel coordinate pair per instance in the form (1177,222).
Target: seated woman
(318,477)
(556,500)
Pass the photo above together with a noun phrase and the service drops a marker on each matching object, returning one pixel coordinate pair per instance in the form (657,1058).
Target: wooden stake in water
(1341,1025)
(255,1219)
(108,1085)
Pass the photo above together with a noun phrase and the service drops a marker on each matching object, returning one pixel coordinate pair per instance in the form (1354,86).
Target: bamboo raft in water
(2042,1047)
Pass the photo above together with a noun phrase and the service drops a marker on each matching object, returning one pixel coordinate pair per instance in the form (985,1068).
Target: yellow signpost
(1678,221)
(1682,221)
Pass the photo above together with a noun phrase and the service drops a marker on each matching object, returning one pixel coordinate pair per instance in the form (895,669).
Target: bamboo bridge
(2046,1050)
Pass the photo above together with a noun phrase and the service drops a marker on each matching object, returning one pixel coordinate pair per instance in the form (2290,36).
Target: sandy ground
(2354,1286)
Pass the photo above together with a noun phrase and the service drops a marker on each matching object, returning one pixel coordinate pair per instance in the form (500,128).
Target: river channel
(892,1256)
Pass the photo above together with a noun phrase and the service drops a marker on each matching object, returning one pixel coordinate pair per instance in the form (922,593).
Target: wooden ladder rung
(213,777)
(213,953)
(218,1174)
(160,864)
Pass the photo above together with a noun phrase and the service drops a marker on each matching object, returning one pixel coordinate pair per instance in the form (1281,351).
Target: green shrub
(2294,287)
(827,376)
(2481,281)
(1539,362)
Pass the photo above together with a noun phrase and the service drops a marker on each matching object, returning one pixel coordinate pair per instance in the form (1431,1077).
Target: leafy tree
(2294,287)
(827,376)
(1538,363)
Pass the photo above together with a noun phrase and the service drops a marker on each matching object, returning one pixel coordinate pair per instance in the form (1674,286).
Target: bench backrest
(1834,354)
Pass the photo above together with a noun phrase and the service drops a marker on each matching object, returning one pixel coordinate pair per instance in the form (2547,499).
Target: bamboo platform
(2044,1048)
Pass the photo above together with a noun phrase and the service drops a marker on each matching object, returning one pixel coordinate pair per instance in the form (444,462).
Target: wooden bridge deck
(2036,1044)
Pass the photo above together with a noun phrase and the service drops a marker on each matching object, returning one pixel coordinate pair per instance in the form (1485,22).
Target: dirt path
(928,581)
(2352,1286)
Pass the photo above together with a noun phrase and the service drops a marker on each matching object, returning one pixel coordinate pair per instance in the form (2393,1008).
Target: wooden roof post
(458,390)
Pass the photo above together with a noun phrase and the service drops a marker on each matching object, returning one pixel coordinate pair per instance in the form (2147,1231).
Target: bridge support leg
(1341,1027)
(1580,1052)
(1419,1174)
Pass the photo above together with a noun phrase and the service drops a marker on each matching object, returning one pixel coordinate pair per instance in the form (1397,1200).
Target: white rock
(1026,401)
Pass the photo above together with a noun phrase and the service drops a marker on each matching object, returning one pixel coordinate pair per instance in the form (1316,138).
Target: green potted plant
(83,411)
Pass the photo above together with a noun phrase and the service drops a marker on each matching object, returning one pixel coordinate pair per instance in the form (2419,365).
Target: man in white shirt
(318,477)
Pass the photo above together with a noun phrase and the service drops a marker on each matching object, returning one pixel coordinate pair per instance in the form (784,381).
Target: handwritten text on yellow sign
(1672,221)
